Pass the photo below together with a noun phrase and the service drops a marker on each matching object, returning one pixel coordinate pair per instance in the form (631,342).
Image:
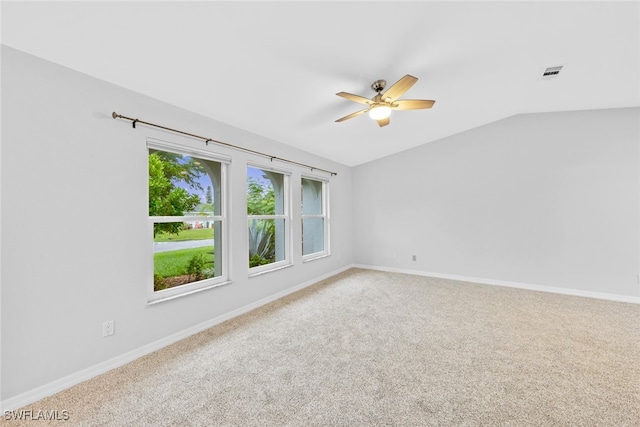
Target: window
(186,215)
(268,218)
(314,219)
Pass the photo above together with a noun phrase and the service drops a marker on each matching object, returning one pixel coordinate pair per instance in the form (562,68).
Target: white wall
(74,243)
(544,199)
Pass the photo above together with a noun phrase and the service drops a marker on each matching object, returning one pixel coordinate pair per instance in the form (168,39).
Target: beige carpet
(368,348)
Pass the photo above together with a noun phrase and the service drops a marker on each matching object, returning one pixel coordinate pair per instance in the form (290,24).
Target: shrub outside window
(315,227)
(268,218)
(186,215)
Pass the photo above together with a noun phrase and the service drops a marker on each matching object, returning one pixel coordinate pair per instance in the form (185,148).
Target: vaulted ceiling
(273,68)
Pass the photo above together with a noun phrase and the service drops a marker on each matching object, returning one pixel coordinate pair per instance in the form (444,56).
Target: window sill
(315,257)
(261,272)
(184,294)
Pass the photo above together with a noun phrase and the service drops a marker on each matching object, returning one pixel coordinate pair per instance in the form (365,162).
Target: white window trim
(158,144)
(287,261)
(155,297)
(325,214)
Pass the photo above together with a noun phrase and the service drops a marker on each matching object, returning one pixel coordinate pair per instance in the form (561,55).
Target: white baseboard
(551,289)
(64,383)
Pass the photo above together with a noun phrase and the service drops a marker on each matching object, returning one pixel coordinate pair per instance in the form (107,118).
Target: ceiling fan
(380,106)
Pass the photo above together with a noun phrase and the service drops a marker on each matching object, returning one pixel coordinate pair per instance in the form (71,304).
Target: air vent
(551,72)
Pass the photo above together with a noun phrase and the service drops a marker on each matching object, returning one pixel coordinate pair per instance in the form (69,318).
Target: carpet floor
(370,348)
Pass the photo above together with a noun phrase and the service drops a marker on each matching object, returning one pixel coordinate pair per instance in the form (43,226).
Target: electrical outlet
(414,258)
(108,328)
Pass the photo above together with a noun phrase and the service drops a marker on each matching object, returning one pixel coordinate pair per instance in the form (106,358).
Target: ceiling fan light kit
(379,111)
(380,106)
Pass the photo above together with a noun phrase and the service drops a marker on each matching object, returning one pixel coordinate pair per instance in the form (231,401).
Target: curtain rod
(226,144)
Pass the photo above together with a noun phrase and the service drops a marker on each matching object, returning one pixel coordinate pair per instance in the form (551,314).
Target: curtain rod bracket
(134,122)
(207,142)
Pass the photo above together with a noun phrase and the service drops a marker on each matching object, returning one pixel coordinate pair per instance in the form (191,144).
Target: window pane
(181,185)
(186,254)
(312,235)
(265,192)
(311,197)
(266,241)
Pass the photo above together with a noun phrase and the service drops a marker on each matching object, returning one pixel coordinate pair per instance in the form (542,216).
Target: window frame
(154,296)
(325,215)
(286,216)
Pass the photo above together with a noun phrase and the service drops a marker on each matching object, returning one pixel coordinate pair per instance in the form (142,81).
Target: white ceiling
(273,68)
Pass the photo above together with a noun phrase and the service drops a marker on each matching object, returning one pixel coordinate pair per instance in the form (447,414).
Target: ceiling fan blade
(412,104)
(352,115)
(356,98)
(400,87)
(383,122)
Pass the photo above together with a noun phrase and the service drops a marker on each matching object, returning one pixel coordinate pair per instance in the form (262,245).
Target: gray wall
(75,245)
(544,199)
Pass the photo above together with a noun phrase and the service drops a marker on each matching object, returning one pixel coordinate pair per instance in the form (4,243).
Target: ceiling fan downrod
(378,85)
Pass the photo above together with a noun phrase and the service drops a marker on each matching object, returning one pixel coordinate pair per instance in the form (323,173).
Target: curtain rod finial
(114,115)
